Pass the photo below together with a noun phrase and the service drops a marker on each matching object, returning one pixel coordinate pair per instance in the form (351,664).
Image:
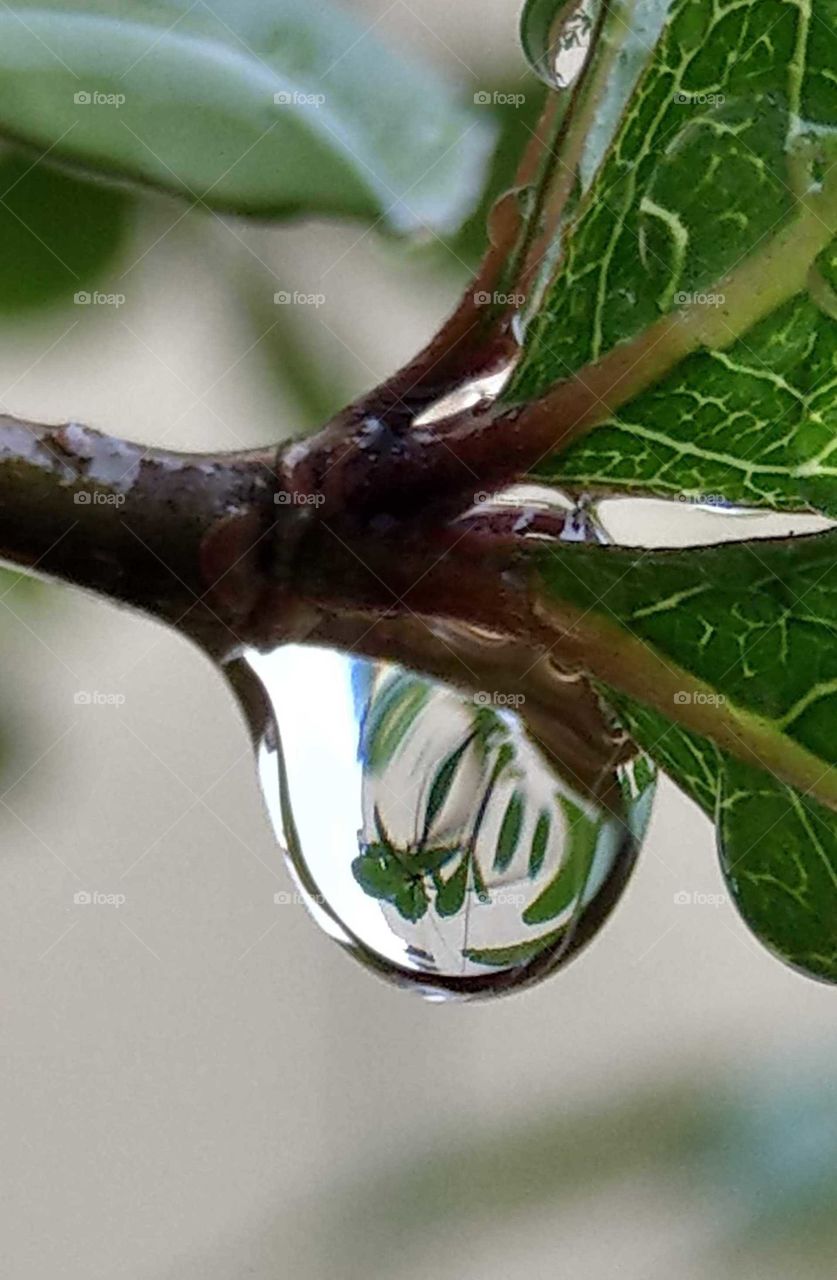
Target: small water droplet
(425,830)
(556,38)
(583,523)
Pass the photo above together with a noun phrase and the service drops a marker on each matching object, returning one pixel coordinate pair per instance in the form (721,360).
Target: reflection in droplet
(425,830)
(556,38)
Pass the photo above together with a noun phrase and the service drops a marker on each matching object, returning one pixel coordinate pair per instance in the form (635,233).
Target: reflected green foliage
(495,829)
(390,716)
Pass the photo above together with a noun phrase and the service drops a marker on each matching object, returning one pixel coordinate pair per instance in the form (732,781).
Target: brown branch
(146,527)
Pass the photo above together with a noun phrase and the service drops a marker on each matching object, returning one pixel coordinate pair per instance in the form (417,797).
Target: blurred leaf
(515,106)
(253,106)
(58,234)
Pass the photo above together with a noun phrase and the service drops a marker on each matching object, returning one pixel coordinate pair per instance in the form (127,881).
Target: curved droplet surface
(556,38)
(426,832)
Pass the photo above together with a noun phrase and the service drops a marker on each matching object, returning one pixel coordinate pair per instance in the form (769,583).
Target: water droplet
(556,38)
(583,523)
(426,832)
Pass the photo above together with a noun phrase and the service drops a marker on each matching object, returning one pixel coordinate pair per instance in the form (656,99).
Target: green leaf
(567,886)
(778,847)
(58,234)
(510,828)
(450,893)
(249,106)
(392,713)
(697,260)
(735,642)
(692,761)
(540,840)
(753,424)
(779,856)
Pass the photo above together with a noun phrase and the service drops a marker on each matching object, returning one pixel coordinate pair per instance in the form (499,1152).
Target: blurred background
(197,1083)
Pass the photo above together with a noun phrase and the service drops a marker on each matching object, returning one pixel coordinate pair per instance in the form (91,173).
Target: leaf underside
(738,641)
(778,846)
